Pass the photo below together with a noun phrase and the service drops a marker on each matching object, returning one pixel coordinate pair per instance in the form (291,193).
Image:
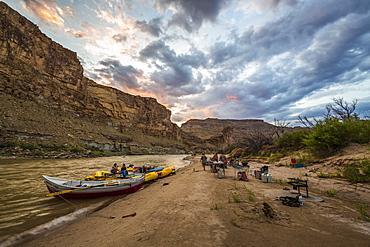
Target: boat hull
(94,189)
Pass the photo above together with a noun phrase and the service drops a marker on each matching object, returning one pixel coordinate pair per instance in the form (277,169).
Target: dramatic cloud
(220,58)
(190,14)
(115,72)
(153,27)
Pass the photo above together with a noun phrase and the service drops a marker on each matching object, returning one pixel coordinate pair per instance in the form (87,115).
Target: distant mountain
(253,133)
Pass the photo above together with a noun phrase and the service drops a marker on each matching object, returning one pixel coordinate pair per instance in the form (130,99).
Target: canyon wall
(45,100)
(43,79)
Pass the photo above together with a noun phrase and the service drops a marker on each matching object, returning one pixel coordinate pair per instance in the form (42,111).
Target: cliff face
(252,133)
(45,99)
(45,83)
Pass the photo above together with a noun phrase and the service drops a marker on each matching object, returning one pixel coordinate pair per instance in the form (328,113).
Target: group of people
(116,170)
(215,161)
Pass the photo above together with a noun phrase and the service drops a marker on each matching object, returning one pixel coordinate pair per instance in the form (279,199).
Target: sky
(226,59)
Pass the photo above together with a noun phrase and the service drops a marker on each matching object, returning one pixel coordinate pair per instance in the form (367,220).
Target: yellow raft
(150,176)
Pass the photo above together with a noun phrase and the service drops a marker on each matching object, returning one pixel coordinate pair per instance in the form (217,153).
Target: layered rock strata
(38,73)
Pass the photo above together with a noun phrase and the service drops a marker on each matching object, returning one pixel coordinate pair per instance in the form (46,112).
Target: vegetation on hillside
(324,137)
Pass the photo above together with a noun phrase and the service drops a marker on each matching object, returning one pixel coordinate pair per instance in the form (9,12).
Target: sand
(196,208)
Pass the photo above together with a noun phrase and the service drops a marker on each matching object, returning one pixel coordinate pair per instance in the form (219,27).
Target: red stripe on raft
(88,195)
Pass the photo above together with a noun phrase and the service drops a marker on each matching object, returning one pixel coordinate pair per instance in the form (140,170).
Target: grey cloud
(191,14)
(174,73)
(153,27)
(126,76)
(307,49)
(322,47)
(120,38)
(158,50)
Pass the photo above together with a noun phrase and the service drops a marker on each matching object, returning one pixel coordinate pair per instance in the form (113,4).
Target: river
(24,209)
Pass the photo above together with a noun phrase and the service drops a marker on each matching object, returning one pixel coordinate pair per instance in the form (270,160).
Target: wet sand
(196,208)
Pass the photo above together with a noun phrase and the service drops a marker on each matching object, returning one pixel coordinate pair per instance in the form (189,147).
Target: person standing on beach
(224,163)
(215,157)
(203,159)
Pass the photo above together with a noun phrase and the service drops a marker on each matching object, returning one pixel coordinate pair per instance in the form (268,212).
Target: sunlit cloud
(219,58)
(45,10)
(76,33)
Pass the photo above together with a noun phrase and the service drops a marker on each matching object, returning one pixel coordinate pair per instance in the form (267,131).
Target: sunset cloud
(262,59)
(46,10)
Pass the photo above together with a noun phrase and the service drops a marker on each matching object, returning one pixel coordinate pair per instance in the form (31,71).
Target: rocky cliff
(44,96)
(47,104)
(252,133)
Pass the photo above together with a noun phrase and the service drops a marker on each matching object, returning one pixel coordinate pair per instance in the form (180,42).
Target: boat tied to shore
(82,189)
(150,175)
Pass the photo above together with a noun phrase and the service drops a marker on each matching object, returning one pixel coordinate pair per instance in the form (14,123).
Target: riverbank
(195,208)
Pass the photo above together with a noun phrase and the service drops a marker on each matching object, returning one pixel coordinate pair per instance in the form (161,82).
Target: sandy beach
(196,208)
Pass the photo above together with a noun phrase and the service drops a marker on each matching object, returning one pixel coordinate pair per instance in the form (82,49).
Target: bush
(7,145)
(75,150)
(358,173)
(364,212)
(358,131)
(29,146)
(291,141)
(330,135)
(323,175)
(365,167)
(327,137)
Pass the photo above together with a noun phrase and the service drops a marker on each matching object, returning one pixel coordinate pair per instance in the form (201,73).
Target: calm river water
(24,209)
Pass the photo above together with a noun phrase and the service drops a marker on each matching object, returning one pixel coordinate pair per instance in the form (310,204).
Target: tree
(280,127)
(342,109)
(304,120)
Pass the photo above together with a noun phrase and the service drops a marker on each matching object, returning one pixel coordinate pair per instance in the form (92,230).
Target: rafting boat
(151,175)
(166,171)
(107,176)
(75,189)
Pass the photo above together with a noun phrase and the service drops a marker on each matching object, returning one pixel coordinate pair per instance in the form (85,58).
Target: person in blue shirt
(124,170)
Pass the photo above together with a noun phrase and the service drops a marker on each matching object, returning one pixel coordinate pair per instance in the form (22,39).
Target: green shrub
(38,153)
(323,175)
(365,167)
(215,207)
(351,173)
(235,197)
(331,192)
(362,209)
(29,146)
(75,150)
(92,148)
(327,137)
(7,145)
(358,173)
(359,131)
(331,135)
(291,141)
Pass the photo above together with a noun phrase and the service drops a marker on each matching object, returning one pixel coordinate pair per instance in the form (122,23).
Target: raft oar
(81,188)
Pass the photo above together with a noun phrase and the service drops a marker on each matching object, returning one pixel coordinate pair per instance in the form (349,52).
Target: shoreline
(70,218)
(195,208)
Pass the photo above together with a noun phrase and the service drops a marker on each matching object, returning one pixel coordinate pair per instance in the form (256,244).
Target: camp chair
(239,169)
